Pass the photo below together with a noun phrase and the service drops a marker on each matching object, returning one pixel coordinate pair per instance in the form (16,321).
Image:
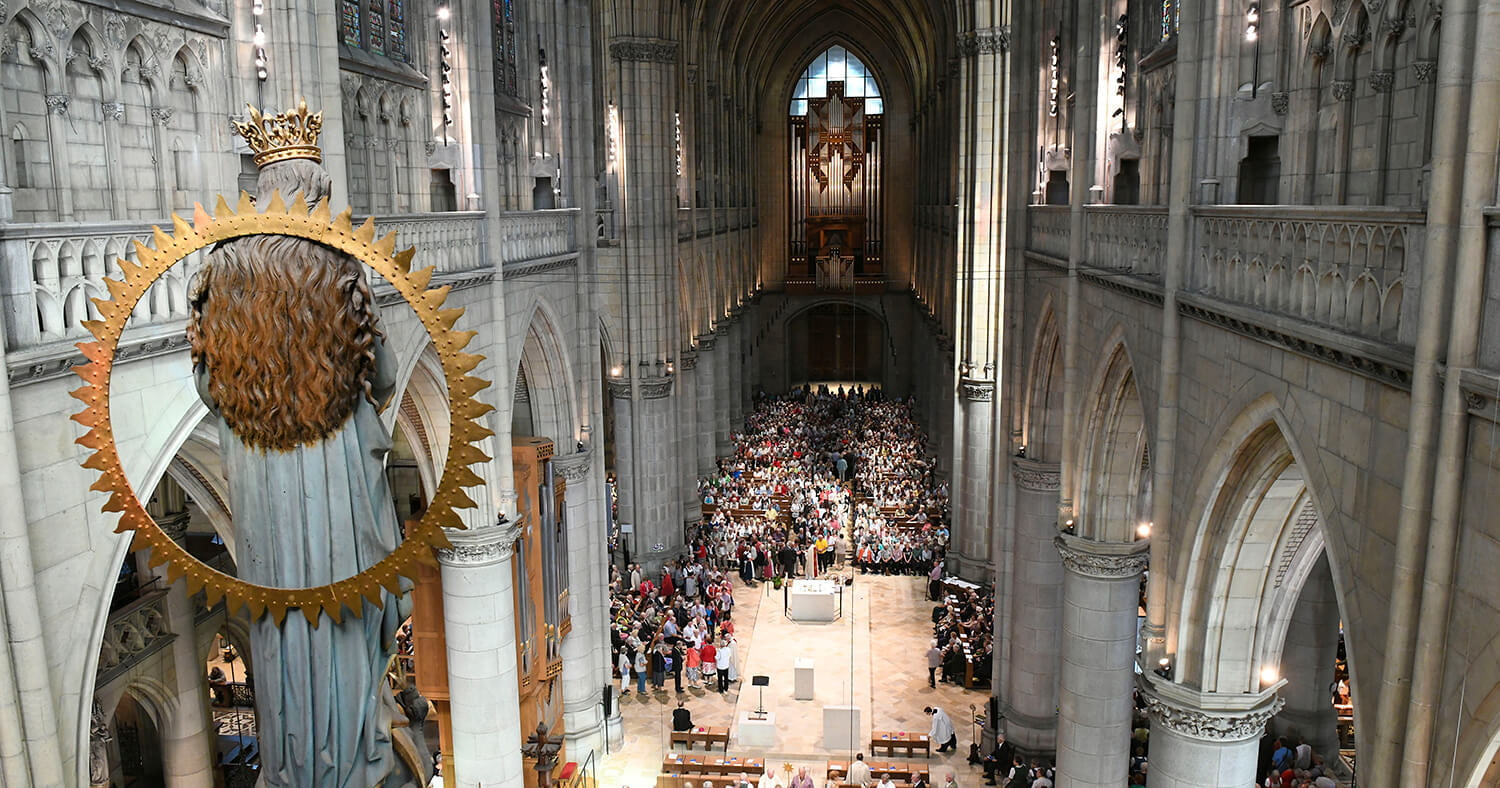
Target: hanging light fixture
(258,10)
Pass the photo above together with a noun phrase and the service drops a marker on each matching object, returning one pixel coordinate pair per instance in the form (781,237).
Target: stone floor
(874,657)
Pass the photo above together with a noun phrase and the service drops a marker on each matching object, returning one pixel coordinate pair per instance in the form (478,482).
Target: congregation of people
(962,637)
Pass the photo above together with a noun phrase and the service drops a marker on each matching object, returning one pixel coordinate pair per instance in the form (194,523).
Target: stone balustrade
(1125,238)
(48,272)
(132,634)
(1047,230)
(1346,268)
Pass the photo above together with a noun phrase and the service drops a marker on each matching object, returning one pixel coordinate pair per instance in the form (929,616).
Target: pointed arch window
(836,122)
(504,13)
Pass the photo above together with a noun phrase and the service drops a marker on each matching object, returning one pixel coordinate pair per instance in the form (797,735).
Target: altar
(814,600)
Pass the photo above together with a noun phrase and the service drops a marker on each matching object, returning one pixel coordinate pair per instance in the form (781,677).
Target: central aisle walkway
(873,658)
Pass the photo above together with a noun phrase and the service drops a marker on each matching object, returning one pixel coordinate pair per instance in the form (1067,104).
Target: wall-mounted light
(677,139)
(1269,675)
(445,66)
(1252,22)
(1164,667)
(1054,70)
(612,131)
(615,371)
(258,10)
(1143,530)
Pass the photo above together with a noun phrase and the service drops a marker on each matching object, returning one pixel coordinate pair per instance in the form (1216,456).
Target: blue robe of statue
(312,516)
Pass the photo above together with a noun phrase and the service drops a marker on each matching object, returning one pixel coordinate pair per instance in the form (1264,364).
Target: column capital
(687,359)
(977,390)
(175,526)
(619,389)
(1106,560)
(573,466)
(492,544)
(1036,476)
(706,341)
(1209,716)
(655,388)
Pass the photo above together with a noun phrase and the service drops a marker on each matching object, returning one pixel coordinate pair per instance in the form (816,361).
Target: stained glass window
(837,64)
(1169,13)
(349,22)
(397,20)
(504,13)
(376,26)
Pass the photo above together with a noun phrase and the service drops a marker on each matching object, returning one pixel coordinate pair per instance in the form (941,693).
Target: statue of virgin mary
(288,352)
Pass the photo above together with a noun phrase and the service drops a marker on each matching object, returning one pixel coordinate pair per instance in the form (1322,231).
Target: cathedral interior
(1140,267)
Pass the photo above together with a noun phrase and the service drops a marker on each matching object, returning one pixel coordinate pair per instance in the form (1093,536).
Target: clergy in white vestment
(942,733)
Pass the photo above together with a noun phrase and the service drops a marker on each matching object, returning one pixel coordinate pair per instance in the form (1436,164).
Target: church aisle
(875,656)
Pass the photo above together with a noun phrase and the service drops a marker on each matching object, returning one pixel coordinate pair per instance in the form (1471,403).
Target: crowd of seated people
(963,631)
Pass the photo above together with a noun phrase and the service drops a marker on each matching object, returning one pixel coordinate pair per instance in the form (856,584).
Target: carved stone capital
(993,40)
(706,341)
(175,526)
(112,110)
(573,467)
(162,115)
(1426,70)
(976,390)
(1381,80)
(1209,716)
(1036,476)
(687,360)
(655,388)
(1280,102)
(57,103)
(643,50)
(1343,89)
(481,546)
(619,389)
(1104,560)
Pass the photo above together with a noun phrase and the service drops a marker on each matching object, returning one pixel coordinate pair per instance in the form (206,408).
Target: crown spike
(284,136)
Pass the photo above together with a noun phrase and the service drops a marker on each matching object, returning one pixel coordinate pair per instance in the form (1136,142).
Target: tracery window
(837,65)
(835,127)
(1169,14)
(504,13)
(375,26)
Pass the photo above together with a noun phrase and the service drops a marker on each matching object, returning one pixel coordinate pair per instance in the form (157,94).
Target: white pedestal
(841,728)
(802,679)
(755,733)
(813,600)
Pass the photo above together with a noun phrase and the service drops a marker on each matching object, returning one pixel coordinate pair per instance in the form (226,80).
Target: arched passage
(835,341)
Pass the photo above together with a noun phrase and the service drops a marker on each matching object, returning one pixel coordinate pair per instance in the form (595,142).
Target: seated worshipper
(885,782)
(951,781)
(803,779)
(859,771)
(682,719)
(942,730)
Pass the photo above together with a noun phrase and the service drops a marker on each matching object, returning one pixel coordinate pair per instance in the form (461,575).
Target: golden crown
(289,135)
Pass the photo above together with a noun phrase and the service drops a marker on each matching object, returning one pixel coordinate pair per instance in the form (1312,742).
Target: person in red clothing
(666,583)
(706,658)
(647,588)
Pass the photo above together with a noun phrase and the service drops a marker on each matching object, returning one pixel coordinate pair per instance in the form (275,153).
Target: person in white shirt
(942,732)
(859,771)
(951,781)
(1302,755)
(885,782)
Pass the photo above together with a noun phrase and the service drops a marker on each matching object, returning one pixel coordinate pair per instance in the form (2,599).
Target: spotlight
(615,371)
(1164,667)
(443,13)
(1252,22)
(1268,676)
(1143,530)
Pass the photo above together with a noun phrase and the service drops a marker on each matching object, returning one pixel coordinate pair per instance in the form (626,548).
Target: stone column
(736,353)
(1101,592)
(479,618)
(974,508)
(722,386)
(1029,691)
(688,384)
(707,427)
(1205,739)
(585,650)
(187,746)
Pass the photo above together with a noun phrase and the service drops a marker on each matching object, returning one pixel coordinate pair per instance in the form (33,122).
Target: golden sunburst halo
(316,224)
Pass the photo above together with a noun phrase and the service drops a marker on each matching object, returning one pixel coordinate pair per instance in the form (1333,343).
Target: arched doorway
(835,341)
(135,751)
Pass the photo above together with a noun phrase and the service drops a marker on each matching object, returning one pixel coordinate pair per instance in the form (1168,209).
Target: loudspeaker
(609,699)
(760,681)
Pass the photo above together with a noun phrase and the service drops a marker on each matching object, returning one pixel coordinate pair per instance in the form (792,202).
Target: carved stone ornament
(706,342)
(100,63)
(1280,102)
(644,50)
(1321,51)
(482,546)
(1103,560)
(1036,476)
(993,40)
(1211,726)
(619,389)
(1393,27)
(162,115)
(1426,70)
(687,361)
(968,46)
(1355,39)
(977,390)
(1381,80)
(655,388)
(1343,89)
(7,47)
(58,103)
(573,466)
(175,526)
(112,110)
(150,71)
